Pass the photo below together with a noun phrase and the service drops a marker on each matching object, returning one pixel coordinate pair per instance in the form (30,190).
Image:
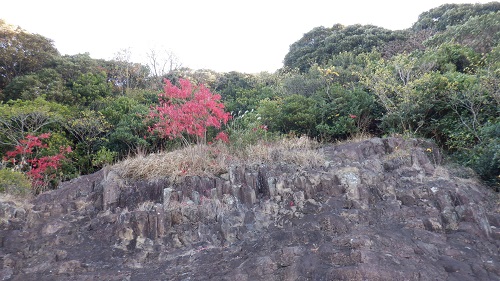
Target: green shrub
(344,112)
(248,129)
(485,157)
(292,114)
(14,182)
(103,157)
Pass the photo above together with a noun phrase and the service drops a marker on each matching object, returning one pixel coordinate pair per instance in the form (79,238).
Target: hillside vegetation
(65,116)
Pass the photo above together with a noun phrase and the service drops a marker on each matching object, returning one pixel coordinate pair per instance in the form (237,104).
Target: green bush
(14,182)
(104,157)
(248,129)
(485,157)
(344,112)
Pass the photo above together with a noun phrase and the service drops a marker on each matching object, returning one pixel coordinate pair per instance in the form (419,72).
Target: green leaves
(480,33)
(88,126)
(320,44)
(294,113)
(448,15)
(344,112)
(14,182)
(22,53)
(90,87)
(45,83)
(18,118)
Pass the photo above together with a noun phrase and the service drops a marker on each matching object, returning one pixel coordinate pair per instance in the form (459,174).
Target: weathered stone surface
(381,209)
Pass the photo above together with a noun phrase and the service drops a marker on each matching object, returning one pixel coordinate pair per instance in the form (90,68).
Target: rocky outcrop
(380,209)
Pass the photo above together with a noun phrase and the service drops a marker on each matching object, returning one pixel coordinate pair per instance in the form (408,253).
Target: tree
(409,41)
(298,115)
(90,87)
(302,53)
(71,67)
(126,116)
(448,15)
(270,112)
(45,83)
(304,84)
(189,110)
(320,44)
(161,63)
(18,118)
(22,52)
(343,112)
(124,74)
(89,129)
(481,33)
(450,57)
(490,76)
(395,84)
(291,114)
(471,103)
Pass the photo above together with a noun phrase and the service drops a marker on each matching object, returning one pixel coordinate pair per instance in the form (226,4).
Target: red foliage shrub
(26,158)
(188,110)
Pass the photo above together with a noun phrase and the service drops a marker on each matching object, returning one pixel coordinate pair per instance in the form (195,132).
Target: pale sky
(222,35)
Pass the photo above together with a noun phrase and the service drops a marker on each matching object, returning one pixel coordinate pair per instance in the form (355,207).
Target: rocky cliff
(380,209)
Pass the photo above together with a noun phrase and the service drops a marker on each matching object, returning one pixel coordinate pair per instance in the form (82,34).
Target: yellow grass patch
(210,160)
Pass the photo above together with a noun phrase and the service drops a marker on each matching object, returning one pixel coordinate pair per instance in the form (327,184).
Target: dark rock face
(381,209)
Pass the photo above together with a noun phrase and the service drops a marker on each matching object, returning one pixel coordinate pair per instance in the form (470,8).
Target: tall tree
(71,67)
(22,52)
(481,33)
(125,74)
(447,15)
(44,83)
(18,118)
(320,44)
(162,62)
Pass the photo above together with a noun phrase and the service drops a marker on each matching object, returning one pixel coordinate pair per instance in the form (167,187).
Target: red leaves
(40,165)
(222,136)
(188,109)
(261,127)
(39,169)
(28,144)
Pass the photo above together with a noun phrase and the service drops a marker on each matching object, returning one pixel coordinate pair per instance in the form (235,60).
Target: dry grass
(192,160)
(401,153)
(204,160)
(359,137)
(301,151)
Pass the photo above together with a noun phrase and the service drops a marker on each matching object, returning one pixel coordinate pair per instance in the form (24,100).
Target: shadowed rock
(380,209)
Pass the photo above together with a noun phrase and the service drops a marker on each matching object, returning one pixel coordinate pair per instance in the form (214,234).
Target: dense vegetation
(439,79)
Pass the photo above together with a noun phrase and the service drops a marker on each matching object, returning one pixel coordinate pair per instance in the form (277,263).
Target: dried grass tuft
(204,160)
(301,151)
(192,160)
(358,137)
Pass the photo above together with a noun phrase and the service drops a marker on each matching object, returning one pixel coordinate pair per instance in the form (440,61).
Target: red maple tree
(26,158)
(188,109)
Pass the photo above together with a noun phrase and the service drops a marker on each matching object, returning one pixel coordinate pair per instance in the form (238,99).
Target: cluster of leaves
(317,46)
(187,110)
(14,182)
(448,15)
(28,157)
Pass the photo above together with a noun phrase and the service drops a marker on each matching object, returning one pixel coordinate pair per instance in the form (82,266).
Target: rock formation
(380,209)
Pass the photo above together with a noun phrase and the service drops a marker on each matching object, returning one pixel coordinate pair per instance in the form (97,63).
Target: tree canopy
(438,79)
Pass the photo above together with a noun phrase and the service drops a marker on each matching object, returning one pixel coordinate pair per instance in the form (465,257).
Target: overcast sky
(222,35)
